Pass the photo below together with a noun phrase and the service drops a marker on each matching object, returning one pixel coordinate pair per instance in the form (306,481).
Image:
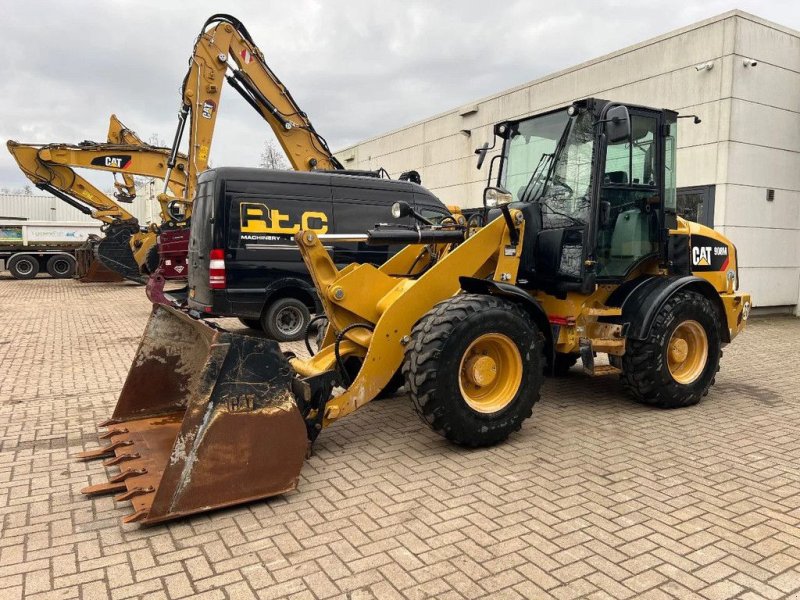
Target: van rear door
(200,243)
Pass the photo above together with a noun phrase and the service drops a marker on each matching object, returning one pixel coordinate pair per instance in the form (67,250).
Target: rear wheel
(251,323)
(286,319)
(473,368)
(61,266)
(676,364)
(23,266)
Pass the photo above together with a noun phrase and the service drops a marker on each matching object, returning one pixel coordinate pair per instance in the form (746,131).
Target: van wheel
(61,266)
(286,319)
(23,266)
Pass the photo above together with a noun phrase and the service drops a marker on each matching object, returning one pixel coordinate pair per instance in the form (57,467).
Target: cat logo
(113,161)
(208,109)
(701,256)
(259,218)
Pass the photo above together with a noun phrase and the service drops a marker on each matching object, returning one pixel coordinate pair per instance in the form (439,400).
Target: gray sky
(358,68)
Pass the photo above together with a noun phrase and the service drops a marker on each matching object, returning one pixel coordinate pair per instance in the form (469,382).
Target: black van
(243,261)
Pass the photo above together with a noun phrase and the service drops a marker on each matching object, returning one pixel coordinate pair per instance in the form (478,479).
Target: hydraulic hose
(308,331)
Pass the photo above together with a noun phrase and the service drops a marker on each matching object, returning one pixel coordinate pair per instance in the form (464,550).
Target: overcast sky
(358,68)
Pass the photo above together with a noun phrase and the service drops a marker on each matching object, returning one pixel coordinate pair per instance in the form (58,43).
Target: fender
(642,298)
(473,285)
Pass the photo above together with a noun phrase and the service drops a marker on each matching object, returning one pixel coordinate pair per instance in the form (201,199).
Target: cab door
(631,197)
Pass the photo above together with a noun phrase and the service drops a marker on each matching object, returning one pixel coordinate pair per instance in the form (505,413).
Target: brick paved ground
(596,497)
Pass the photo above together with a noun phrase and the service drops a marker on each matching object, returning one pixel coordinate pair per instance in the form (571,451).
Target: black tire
(433,361)
(563,363)
(645,368)
(23,266)
(251,323)
(286,319)
(61,266)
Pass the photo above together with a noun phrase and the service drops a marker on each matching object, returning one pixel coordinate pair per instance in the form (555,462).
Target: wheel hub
(481,370)
(687,352)
(490,373)
(678,350)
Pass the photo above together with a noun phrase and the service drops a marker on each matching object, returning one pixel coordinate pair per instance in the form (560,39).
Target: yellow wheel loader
(581,254)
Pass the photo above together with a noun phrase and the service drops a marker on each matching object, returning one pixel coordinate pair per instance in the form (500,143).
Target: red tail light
(216,270)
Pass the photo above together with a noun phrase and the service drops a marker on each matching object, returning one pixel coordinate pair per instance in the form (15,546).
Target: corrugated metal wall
(50,208)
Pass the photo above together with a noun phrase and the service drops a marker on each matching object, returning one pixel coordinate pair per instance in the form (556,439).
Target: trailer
(30,247)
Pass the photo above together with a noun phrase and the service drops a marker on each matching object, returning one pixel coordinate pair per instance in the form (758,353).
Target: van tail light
(216,270)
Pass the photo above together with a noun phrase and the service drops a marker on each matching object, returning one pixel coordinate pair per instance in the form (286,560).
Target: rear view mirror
(618,124)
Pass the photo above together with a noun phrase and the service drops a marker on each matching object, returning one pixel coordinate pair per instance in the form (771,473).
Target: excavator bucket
(115,252)
(206,419)
(89,269)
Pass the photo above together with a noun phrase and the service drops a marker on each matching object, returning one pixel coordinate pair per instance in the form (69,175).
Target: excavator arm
(224,50)
(51,167)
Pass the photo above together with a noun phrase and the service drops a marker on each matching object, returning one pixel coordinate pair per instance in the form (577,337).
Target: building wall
(749,138)
(49,208)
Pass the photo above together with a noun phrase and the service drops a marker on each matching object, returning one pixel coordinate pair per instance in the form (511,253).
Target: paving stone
(596,497)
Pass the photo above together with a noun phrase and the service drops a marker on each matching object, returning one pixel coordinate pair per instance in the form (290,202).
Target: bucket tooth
(109,434)
(132,493)
(139,515)
(108,423)
(100,489)
(102,450)
(126,474)
(119,458)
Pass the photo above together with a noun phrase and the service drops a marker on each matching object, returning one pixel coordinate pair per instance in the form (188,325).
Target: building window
(697,204)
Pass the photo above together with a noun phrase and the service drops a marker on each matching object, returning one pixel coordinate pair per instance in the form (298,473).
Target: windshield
(560,184)
(529,153)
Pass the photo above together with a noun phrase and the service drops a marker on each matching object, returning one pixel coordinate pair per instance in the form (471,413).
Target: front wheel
(473,368)
(286,319)
(676,364)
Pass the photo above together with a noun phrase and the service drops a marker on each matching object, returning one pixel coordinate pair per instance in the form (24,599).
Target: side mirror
(482,152)
(401,209)
(618,124)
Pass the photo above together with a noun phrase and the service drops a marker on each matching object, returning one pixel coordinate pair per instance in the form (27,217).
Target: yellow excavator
(126,244)
(224,50)
(581,255)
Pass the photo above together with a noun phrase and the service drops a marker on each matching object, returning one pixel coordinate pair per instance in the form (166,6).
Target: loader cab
(595,182)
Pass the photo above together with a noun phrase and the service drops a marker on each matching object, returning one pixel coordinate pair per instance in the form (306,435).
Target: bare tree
(27,190)
(272,157)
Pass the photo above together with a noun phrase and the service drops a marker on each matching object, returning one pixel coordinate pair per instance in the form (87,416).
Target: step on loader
(586,256)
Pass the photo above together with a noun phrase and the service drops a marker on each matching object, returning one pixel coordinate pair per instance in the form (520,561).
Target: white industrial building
(38,207)
(739,169)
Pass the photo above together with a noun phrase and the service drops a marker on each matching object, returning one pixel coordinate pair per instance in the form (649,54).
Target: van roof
(310,177)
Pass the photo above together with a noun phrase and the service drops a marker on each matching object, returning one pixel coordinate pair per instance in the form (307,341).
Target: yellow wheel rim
(687,352)
(490,373)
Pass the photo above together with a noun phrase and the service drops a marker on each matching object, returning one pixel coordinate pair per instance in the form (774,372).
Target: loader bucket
(205,419)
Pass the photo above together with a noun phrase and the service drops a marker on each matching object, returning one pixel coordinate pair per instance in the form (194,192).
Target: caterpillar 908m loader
(581,254)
